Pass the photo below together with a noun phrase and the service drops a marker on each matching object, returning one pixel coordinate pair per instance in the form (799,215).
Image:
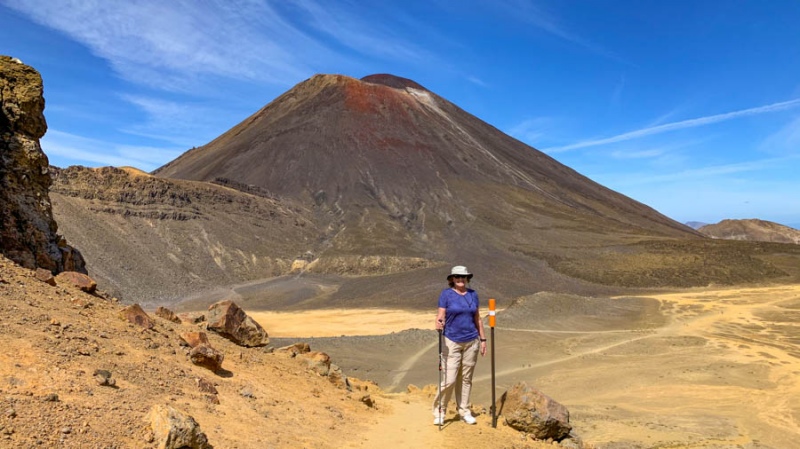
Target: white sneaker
(468,418)
(438,421)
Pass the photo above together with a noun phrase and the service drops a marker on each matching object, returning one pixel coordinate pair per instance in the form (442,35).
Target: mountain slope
(390,168)
(388,142)
(382,186)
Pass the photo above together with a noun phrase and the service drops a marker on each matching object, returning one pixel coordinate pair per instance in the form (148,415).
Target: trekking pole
(441,417)
(491,326)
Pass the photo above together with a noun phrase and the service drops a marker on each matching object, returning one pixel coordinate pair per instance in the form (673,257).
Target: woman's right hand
(439,324)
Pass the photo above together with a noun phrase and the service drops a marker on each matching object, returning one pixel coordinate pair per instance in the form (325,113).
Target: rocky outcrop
(529,410)
(28,232)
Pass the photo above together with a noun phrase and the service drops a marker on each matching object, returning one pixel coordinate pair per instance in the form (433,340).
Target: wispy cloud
(180,123)
(358,32)
(166,44)
(670,153)
(476,80)
(705,173)
(784,141)
(640,154)
(69,149)
(534,13)
(692,123)
(531,130)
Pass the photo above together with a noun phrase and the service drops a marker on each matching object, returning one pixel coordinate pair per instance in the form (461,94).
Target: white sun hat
(459,270)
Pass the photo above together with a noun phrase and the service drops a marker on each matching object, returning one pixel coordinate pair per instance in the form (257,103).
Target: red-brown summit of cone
(396,82)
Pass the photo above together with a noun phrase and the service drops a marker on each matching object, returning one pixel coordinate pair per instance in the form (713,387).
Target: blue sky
(691,107)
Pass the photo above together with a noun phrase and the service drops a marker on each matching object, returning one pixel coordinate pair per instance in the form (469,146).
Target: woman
(459,319)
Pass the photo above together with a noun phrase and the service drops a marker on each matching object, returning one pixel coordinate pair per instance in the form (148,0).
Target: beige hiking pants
(459,364)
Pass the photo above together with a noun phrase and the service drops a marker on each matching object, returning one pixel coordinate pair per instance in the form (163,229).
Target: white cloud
(64,149)
(167,44)
(678,125)
(180,123)
(531,130)
(476,80)
(358,33)
(784,141)
(713,171)
(534,13)
(638,154)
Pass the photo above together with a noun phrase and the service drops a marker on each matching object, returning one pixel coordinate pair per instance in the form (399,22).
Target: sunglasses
(459,276)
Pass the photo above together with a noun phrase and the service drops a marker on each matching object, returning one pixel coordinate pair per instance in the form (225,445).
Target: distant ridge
(752,229)
(695,224)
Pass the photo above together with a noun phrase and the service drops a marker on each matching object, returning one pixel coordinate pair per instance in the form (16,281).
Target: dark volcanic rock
(194,339)
(167,314)
(173,429)
(28,233)
(230,321)
(207,357)
(79,280)
(135,315)
(531,411)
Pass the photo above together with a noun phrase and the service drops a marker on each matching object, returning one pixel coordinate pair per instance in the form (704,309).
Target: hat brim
(469,276)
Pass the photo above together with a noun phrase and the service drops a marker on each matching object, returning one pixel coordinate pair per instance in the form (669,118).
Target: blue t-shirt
(459,318)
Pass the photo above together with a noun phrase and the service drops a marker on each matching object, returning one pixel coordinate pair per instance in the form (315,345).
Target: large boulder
(134,314)
(80,280)
(173,429)
(529,410)
(194,339)
(28,232)
(207,357)
(230,321)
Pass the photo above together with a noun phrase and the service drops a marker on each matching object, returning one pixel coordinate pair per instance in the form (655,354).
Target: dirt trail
(409,424)
(397,380)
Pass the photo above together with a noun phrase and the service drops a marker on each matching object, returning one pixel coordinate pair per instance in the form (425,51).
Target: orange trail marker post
(491,325)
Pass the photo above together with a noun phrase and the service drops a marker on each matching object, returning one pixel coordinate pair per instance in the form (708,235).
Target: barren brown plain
(704,368)
(698,368)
